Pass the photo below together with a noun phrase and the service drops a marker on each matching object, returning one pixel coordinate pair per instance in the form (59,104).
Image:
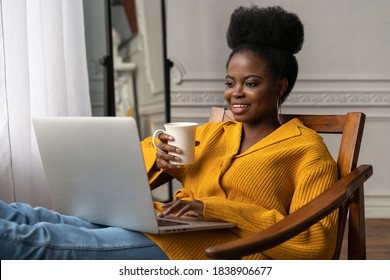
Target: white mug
(184,138)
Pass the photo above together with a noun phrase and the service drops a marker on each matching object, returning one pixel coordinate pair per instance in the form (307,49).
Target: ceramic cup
(184,138)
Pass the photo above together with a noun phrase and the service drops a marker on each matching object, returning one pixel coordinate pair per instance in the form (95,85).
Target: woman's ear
(283,84)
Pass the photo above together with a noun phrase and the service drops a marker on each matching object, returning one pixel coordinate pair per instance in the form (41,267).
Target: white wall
(344,66)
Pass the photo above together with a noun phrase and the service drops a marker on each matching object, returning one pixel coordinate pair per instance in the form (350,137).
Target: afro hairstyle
(272,33)
(268,27)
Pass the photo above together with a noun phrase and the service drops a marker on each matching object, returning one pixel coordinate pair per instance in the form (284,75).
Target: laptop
(95,170)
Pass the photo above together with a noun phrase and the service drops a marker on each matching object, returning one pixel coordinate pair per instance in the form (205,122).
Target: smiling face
(251,90)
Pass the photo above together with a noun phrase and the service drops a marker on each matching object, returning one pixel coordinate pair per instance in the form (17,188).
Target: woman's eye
(229,84)
(251,84)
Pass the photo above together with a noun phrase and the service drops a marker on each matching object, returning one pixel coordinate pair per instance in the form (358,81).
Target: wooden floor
(377,240)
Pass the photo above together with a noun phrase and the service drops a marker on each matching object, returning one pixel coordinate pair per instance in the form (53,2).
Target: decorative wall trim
(344,99)
(197,98)
(309,98)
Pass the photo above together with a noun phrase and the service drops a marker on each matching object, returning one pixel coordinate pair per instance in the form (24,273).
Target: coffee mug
(184,138)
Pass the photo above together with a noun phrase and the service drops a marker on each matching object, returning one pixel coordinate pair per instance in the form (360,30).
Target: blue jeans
(38,233)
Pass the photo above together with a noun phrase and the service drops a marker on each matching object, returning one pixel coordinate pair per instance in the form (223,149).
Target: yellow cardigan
(254,190)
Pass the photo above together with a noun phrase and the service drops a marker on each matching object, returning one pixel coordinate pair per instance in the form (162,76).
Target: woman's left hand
(192,208)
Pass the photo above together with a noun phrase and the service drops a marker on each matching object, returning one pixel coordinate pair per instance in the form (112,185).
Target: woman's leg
(24,214)
(37,233)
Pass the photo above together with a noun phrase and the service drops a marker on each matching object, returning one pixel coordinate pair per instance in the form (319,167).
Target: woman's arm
(157,176)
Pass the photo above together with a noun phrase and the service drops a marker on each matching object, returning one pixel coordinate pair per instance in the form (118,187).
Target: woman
(251,171)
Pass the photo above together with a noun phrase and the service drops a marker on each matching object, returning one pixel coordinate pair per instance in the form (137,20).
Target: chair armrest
(297,221)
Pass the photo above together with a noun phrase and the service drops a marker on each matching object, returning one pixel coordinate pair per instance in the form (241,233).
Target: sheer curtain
(43,72)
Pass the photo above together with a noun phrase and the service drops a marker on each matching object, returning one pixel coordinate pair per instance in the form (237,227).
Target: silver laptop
(95,170)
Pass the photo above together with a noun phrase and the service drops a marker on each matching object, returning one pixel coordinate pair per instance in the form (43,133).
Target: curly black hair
(272,33)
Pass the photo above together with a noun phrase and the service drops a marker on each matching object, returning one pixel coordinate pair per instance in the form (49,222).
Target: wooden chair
(346,195)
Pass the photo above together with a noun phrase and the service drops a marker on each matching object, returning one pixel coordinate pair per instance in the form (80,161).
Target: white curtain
(43,72)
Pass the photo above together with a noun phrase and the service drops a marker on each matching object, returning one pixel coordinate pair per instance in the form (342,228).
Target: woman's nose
(238,91)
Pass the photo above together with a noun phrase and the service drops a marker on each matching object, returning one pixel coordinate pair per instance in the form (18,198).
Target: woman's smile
(239,109)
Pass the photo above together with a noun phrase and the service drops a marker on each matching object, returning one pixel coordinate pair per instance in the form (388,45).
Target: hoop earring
(225,105)
(225,108)
(279,108)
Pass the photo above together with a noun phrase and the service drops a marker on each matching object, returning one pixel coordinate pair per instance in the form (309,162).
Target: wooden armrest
(297,221)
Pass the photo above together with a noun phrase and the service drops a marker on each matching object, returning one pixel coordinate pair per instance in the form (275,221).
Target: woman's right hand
(163,158)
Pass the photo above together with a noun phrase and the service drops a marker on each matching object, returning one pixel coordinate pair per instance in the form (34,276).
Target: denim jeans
(38,233)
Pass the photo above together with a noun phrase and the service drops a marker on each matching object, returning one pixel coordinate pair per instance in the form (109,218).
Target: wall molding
(338,98)
(201,98)
(302,98)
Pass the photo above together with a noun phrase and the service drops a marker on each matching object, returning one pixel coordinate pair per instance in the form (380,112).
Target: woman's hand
(192,208)
(163,158)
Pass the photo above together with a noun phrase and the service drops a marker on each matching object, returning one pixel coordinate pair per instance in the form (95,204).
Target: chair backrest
(350,126)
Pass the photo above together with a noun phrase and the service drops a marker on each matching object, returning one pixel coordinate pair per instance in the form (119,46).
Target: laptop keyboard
(165,223)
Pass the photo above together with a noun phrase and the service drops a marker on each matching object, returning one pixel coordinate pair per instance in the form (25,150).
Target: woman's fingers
(165,137)
(183,207)
(169,148)
(163,145)
(164,159)
(170,207)
(184,210)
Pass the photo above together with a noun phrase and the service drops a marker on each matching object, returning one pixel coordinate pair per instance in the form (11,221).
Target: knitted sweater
(254,189)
